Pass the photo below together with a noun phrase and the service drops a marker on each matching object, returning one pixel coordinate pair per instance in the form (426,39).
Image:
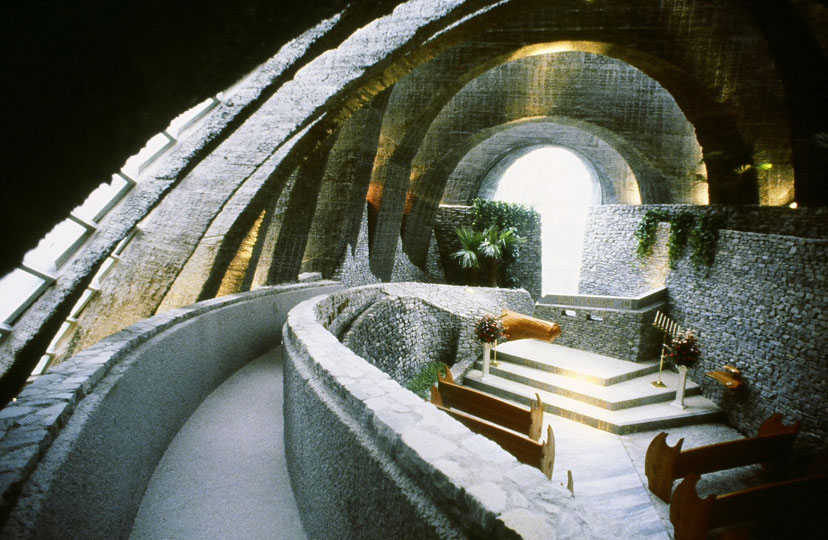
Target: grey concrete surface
(224,475)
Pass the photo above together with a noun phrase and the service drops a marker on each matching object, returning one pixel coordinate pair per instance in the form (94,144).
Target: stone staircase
(606,393)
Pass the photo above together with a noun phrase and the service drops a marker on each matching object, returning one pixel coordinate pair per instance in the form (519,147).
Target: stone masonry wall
(609,265)
(762,307)
(619,333)
(401,335)
(399,327)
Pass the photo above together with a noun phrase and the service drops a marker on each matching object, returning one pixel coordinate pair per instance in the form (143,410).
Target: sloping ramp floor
(224,474)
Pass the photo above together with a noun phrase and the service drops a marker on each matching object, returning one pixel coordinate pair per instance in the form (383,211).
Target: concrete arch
(209,190)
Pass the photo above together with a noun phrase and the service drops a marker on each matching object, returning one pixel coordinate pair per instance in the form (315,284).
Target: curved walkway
(224,474)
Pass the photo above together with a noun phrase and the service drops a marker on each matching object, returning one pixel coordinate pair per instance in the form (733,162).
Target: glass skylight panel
(102,199)
(57,246)
(17,289)
(191,116)
(156,146)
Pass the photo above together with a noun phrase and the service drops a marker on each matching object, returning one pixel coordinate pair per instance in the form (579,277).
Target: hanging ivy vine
(700,232)
(646,231)
(680,226)
(703,240)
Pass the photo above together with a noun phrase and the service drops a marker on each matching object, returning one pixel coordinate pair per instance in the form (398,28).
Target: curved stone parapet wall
(82,441)
(369,459)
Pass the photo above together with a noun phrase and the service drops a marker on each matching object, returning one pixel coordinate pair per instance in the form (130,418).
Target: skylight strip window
(155,146)
(103,198)
(57,246)
(5,330)
(186,119)
(18,290)
(42,365)
(105,268)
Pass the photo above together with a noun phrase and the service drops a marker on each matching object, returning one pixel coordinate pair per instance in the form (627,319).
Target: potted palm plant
(487,251)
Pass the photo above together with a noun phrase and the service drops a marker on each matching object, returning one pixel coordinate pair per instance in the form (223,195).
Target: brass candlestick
(669,327)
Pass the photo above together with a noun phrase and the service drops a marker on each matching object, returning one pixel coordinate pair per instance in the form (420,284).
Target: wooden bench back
(796,505)
(524,449)
(663,464)
(528,422)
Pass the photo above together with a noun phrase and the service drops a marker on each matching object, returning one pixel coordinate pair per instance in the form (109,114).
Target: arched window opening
(561,187)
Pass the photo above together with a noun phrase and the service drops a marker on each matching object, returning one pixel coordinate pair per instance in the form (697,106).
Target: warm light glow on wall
(234,277)
(537,49)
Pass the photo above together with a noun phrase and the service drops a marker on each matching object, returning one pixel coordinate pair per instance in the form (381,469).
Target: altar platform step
(610,394)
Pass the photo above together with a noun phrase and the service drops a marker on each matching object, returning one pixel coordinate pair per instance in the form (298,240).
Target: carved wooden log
(519,326)
(772,446)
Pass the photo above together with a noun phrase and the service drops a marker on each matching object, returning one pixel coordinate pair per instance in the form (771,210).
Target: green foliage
(422,382)
(469,244)
(514,222)
(504,215)
(703,240)
(680,226)
(489,249)
(701,233)
(646,231)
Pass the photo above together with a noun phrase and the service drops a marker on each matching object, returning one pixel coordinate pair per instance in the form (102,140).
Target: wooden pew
(525,450)
(789,509)
(772,447)
(482,405)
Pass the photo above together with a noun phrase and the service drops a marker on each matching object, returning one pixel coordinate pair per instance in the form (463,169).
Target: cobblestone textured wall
(609,265)
(355,268)
(527,269)
(625,334)
(399,327)
(762,307)
(401,335)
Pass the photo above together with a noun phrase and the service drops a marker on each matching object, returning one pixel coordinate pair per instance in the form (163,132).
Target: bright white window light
(56,246)
(561,187)
(156,146)
(16,290)
(191,116)
(98,203)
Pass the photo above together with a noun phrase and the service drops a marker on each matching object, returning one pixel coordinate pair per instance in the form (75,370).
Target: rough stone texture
(81,442)
(417,469)
(716,60)
(399,327)
(401,335)
(761,307)
(627,334)
(609,239)
(527,269)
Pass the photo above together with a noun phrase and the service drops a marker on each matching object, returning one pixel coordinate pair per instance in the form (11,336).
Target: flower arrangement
(489,329)
(683,349)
